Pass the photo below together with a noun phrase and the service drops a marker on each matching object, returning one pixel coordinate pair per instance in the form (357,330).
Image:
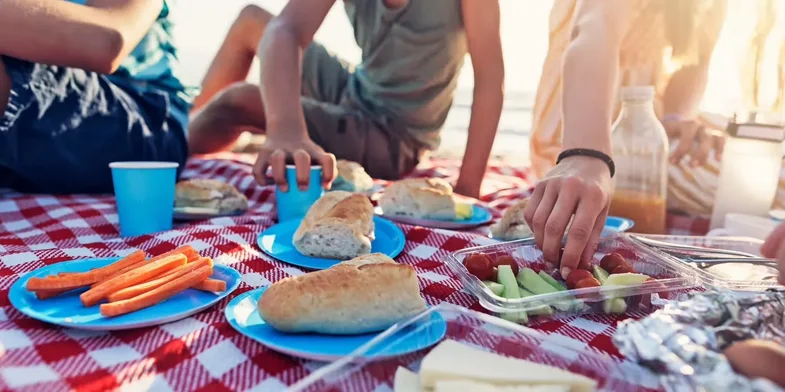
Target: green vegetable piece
(610,305)
(543,310)
(511,291)
(531,281)
(600,274)
(553,282)
(495,288)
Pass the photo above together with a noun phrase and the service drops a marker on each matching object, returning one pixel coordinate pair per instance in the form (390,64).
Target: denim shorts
(63,126)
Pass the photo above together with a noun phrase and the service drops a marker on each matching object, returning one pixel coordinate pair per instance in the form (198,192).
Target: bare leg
(220,123)
(5,88)
(233,60)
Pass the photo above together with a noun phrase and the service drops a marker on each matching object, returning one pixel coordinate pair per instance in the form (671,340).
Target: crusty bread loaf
(422,198)
(351,178)
(367,294)
(338,226)
(513,225)
(210,194)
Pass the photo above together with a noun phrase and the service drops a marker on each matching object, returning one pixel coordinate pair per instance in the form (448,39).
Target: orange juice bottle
(640,151)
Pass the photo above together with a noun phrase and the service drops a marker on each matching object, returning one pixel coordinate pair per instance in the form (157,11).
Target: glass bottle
(640,151)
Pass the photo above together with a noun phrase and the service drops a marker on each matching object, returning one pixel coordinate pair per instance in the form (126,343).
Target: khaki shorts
(382,146)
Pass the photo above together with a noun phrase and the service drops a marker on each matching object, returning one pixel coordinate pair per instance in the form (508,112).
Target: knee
(5,87)
(253,15)
(241,96)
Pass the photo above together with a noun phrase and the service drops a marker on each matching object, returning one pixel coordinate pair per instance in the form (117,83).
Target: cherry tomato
(588,282)
(622,269)
(611,261)
(577,276)
(479,265)
(508,260)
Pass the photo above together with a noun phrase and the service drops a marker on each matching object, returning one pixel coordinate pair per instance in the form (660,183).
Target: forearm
(486,109)
(589,91)
(685,90)
(281,68)
(96,37)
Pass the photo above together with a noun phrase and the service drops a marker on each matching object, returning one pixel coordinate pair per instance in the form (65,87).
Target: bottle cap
(637,93)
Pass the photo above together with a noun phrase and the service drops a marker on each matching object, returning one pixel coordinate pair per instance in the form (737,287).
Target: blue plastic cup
(145,196)
(294,203)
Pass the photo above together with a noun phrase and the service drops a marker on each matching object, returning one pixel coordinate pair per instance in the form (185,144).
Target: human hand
(773,248)
(577,185)
(276,151)
(695,139)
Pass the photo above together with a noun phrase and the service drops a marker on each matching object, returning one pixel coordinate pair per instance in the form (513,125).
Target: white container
(749,172)
(742,225)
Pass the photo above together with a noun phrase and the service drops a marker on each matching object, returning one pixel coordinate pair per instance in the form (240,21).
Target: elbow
(109,51)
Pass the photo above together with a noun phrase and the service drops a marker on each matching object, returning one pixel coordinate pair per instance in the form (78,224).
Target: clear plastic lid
(739,276)
(667,275)
(356,373)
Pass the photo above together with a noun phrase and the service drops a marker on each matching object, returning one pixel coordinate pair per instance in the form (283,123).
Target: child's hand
(774,248)
(276,152)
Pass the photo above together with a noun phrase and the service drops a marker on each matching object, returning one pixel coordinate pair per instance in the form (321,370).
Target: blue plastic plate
(480,216)
(67,311)
(615,224)
(276,241)
(243,315)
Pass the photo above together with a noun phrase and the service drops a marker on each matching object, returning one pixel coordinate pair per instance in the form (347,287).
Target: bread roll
(352,178)
(366,294)
(210,194)
(512,226)
(338,226)
(419,198)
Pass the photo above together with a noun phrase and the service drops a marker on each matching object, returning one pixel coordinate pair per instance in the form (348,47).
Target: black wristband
(584,152)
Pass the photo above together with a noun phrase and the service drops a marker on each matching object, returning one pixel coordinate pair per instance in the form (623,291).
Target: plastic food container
(671,278)
(483,331)
(733,276)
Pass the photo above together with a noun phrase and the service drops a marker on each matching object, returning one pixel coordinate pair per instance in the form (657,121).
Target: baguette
(366,294)
(351,178)
(513,225)
(210,194)
(338,226)
(420,198)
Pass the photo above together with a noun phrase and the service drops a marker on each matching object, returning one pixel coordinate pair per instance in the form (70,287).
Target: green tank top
(411,58)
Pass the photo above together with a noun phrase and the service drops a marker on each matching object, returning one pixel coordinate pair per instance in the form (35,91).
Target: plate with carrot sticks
(125,293)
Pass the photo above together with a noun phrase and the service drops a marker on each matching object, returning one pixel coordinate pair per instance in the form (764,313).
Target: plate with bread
(130,292)
(201,198)
(328,314)
(352,177)
(339,226)
(430,202)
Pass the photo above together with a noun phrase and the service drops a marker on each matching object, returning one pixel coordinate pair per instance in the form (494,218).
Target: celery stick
(543,310)
(511,291)
(531,281)
(553,282)
(495,288)
(610,305)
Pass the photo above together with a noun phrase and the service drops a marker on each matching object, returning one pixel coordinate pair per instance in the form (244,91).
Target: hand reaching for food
(695,139)
(579,186)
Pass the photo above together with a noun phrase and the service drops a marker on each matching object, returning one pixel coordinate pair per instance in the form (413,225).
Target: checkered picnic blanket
(203,352)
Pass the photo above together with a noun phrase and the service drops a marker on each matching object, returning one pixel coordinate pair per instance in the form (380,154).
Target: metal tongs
(704,257)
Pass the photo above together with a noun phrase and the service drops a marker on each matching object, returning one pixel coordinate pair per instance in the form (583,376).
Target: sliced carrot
(139,289)
(211,285)
(130,278)
(186,250)
(157,294)
(86,278)
(47,294)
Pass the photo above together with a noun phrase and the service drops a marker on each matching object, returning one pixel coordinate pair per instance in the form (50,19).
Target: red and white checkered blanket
(203,352)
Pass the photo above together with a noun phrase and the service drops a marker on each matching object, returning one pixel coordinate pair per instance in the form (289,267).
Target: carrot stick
(133,291)
(211,285)
(130,278)
(83,279)
(186,250)
(157,294)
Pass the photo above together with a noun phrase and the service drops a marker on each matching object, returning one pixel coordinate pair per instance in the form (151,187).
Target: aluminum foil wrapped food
(683,341)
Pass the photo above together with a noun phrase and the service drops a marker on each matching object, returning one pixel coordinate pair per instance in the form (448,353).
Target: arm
(280,53)
(97,37)
(591,67)
(481,21)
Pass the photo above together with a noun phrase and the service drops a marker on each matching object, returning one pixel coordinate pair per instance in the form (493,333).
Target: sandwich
(338,226)
(513,225)
(423,198)
(366,294)
(352,178)
(209,196)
